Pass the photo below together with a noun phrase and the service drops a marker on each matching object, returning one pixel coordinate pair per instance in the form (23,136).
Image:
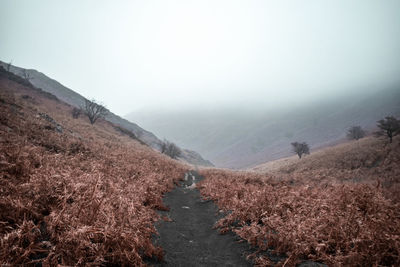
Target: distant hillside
(365,154)
(367,160)
(240,138)
(69,96)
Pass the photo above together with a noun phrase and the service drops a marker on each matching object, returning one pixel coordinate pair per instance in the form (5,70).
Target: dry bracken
(84,196)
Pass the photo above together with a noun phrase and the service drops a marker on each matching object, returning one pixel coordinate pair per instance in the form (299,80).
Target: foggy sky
(166,54)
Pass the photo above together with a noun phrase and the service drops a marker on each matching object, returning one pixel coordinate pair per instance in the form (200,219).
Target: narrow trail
(189,238)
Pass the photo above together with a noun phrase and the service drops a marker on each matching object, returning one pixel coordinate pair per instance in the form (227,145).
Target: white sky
(146,54)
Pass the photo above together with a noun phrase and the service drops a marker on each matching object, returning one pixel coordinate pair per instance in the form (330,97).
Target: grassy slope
(339,205)
(368,160)
(87,195)
(71,97)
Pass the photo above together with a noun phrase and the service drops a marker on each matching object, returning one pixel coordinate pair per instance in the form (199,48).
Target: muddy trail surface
(188,237)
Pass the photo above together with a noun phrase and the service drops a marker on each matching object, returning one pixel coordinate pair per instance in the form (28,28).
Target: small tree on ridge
(389,126)
(300,148)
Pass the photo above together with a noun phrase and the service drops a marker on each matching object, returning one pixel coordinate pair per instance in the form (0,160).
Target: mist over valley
(200,133)
(240,137)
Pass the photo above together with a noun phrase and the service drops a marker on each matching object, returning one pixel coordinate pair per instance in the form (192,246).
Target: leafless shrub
(170,149)
(355,133)
(76,112)
(26,75)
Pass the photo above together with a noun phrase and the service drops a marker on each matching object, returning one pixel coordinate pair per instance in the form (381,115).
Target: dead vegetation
(339,206)
(83,196)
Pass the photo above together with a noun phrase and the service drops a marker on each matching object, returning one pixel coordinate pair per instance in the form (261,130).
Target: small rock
(59,128)
(46,117)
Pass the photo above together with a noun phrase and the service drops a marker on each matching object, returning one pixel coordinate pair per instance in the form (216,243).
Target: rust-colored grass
(86,196)
(339,206)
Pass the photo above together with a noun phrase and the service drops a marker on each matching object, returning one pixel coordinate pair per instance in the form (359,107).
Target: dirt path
(189,239)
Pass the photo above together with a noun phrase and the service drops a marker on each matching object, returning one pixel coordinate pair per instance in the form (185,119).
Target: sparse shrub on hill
(94,110)
(170,149)
(300,148)
(389,126)
(26,76)
(76,112)
(355,133)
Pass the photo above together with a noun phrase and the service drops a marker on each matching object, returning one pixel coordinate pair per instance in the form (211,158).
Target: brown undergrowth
(340,207)
(84,196)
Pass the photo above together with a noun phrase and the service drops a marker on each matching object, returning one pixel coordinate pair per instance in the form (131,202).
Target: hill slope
(72,193)
(67,95)
(339,206)
(368,160)
(240,138)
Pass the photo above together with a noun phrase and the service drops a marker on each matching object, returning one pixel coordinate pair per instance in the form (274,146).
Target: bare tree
(355,133)
(170,149)
(94,110)
(26,75)
(300,148)
(389,126)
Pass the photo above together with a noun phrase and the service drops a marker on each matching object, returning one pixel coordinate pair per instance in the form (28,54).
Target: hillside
(73,193)
(339,206)
(67,95)
(240,138)
(369,160)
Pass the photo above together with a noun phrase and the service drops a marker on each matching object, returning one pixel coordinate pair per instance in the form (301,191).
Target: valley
(199,133)
(75,193)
